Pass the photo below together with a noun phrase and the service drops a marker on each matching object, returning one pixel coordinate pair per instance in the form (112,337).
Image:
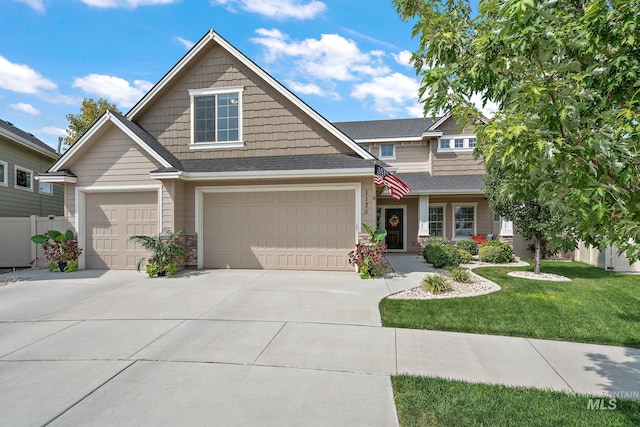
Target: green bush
(468,245)
(501,252)
(443,240)
(465,257)
(436,284)
(460,275)
(441,255)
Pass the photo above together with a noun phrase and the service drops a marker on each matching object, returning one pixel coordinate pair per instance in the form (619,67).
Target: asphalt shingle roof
(396,128)
(8,126)
(427,183)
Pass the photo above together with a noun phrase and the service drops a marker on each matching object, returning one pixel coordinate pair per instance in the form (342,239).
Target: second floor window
(387,151)
(3,173)
(216,116)
(457,143)
(24,178)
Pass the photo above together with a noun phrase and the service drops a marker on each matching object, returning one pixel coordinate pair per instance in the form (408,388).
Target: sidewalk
(556,365)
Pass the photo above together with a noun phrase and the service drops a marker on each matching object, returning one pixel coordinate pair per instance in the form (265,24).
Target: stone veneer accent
(422,240)
(189,243)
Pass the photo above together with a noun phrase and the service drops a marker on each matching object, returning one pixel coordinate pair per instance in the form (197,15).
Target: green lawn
(597,306)
(437,402)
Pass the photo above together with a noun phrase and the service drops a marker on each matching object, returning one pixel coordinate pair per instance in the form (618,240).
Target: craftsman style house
(255,177)
(22,158)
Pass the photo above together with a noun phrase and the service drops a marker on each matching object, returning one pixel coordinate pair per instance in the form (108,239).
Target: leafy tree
(534,220)
(90,111)
(564,74)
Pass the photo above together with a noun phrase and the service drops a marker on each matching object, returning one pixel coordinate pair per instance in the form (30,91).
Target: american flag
(396,187)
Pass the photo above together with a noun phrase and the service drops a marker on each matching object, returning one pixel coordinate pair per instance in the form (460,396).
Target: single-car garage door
(298,230)
(110,219)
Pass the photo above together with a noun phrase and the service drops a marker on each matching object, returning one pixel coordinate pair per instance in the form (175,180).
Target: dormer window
(216,118)
(457,143)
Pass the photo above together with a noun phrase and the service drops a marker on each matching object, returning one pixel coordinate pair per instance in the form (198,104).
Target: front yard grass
(426,402)
(597,306)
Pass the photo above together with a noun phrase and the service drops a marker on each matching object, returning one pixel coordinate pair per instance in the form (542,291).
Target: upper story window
(387,151)
(457,143)
(24,178)
(3,173)
(366,147)
(216,118)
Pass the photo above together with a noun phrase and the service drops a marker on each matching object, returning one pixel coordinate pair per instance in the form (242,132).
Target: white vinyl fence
(16,249)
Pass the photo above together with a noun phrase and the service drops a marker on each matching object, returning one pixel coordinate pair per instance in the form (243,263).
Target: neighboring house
(255,177)
(22,158)
(436,161)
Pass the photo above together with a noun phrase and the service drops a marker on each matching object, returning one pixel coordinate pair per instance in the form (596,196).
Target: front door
(394,224)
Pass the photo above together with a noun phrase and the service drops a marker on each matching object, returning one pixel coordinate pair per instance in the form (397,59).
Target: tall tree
(564,74)
(90,111)
(534,220)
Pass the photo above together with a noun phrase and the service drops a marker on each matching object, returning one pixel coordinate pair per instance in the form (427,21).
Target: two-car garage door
(306,230)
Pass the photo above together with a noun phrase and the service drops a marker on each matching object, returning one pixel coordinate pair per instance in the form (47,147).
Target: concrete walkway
(249,347)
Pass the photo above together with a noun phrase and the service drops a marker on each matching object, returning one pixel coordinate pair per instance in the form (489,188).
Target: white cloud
(22,78)
(277,9)
(25,108)
(312,89)
(114,89)
(488,110)
(188,44)
(391,94)
(34,4)
(332,57)
(403,58)
(105,4)
(51,130)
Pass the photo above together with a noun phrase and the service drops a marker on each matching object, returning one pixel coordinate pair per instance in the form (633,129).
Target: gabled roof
(386,129)
(132,130)
(213,37)
(26,139)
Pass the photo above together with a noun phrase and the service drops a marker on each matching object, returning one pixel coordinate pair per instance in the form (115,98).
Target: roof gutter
(303,173)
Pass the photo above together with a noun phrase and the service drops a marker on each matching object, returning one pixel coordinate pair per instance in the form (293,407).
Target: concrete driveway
(222,347)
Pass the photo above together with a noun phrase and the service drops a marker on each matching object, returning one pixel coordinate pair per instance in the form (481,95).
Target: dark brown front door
(394,223)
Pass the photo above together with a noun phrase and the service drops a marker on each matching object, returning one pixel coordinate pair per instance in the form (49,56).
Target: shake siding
(454,163)
(16,202)
(173,205)
(114,160)
(271,125)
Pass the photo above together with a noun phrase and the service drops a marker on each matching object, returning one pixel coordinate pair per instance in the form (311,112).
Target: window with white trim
(387,151)
(45,187)
(24,178)
(216,117)
(457,143)
(4,172)
(436,221)
(464,220)
(366,148)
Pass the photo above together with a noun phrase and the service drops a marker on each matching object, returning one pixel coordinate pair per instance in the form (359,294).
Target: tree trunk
(538,253)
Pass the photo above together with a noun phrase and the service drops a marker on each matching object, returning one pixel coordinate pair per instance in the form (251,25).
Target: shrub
(468,245)
(506,252)
(436,284)
(460,275)
(441,255)
(443,240)
(465,257)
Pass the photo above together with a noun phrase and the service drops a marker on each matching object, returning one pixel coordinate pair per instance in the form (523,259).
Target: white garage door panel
(110,219)
(279,230)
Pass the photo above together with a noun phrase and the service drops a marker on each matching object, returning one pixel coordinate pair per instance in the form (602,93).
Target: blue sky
(348,59)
